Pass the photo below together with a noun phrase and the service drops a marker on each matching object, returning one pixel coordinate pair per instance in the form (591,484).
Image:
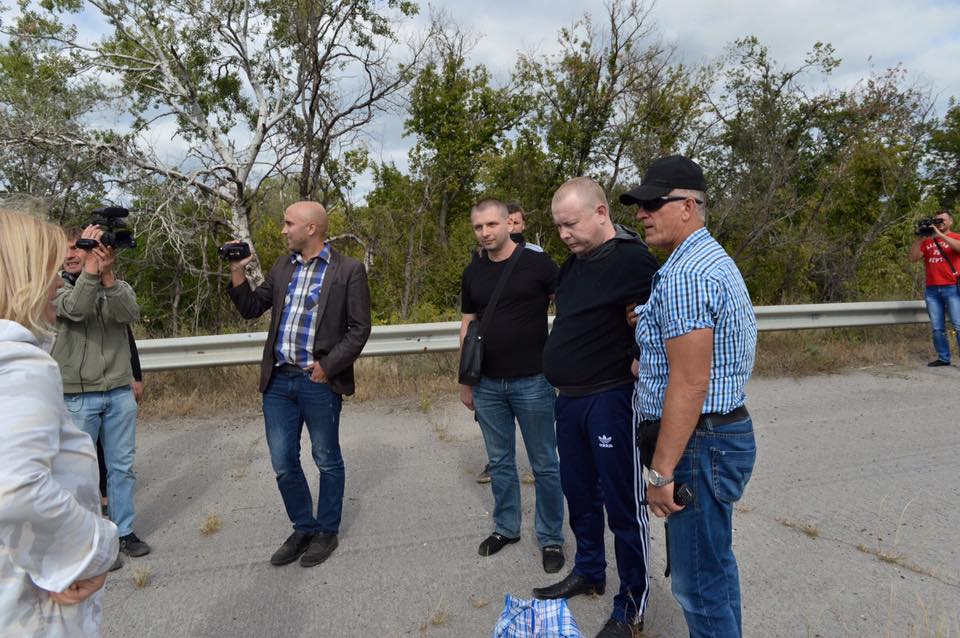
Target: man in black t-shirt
(587,358)
(512,384)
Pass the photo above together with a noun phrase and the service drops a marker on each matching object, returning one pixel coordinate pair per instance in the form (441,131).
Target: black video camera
(925,226)
(115,231)
(234,251)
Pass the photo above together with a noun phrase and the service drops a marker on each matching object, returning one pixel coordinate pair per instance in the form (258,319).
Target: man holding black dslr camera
(939,248)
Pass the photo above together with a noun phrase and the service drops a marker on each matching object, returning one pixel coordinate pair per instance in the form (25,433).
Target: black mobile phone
(682,495)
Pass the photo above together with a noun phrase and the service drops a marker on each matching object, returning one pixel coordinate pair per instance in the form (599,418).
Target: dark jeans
(290,400)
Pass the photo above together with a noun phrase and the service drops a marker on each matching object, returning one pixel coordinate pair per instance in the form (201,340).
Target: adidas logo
(605,441)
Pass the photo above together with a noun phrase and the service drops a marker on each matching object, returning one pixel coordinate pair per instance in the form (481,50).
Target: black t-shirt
(513,342)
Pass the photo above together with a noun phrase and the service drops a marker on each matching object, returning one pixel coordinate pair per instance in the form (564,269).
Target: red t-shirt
(938,271)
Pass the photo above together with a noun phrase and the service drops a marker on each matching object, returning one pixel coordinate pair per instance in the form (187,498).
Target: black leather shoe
(319,550)
(620,629)
(938,363)
(494,543)
(292,548)
(553,558)
(569,587)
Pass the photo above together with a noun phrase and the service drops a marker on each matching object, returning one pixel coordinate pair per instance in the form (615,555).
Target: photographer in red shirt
(939,248)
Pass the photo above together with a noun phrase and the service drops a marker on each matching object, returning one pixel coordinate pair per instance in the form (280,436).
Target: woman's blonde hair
(31,253)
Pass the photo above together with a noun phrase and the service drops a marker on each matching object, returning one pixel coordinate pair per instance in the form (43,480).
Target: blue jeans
(291,400)
(529,400)
(941,300)
(716,464)
(112,417)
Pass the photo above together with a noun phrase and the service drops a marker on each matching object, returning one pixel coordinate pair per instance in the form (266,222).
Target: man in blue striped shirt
(697,335)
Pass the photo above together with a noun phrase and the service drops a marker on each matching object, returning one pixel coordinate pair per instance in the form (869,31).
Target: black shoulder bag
(956,281)
(471,352)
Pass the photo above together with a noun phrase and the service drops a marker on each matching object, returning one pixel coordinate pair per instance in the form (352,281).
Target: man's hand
(80,590)
(632,316)
(317,373)
(466,396)
(635,368)
(91,265)
(106,256)
(137,390)
(238,269)
(660,500)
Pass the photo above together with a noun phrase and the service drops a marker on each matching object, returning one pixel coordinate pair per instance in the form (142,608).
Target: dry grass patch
(200,392)
(478,603)
(211,525)
(809,529)
(797,353)
(141,577)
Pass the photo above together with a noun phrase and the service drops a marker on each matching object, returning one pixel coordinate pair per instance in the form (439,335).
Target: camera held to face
(234,251)
(116,234)
(925,226)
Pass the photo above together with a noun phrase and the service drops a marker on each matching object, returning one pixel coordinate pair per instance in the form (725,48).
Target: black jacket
(591,345)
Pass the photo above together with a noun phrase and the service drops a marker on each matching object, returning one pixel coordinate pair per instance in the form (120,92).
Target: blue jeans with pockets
(716,464)
(943,301)
(111,416)
(530,400)
(291,400)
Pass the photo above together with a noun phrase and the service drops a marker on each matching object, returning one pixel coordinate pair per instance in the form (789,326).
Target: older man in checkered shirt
(697,335)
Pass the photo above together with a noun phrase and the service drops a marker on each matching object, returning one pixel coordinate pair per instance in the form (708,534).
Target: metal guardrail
(247,348)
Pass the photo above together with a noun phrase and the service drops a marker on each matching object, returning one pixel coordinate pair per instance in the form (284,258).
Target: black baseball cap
(664,175)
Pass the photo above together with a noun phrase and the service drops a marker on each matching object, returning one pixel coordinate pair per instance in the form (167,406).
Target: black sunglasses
(653,205)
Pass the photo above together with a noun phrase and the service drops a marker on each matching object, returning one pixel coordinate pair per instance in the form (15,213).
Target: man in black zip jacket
(588,357)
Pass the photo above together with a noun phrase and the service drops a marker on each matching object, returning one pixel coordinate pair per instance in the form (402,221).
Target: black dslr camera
(115,231)
(234,251)
(925,226)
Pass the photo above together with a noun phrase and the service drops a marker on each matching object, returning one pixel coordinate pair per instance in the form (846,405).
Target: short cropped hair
(514,207)
(31,252)
(490,202)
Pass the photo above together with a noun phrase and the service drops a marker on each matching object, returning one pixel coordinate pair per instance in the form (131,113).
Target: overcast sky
(868,35)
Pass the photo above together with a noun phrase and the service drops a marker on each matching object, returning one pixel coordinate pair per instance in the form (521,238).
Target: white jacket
(51,531)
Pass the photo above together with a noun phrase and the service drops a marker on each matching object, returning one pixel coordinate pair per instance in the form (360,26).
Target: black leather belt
(712,420)
(290,370)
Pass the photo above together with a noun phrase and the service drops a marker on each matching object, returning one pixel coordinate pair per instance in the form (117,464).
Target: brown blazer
(343,316)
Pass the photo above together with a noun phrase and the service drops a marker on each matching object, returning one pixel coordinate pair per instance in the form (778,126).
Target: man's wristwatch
(657,479)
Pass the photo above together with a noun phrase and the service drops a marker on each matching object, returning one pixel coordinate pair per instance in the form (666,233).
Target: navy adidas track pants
(600,467)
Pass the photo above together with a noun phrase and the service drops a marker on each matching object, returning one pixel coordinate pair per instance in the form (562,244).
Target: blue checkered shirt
(298,320)
(698,287)
(522,618)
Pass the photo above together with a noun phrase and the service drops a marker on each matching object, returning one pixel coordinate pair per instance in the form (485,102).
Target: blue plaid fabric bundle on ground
(536,619)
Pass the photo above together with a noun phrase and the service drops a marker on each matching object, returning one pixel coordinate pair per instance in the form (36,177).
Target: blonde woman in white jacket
(55,548)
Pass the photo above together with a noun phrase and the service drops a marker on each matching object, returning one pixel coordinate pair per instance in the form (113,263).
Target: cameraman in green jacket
(92,348)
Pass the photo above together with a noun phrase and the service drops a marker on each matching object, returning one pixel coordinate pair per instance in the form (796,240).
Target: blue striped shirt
(698,287)
(298,320)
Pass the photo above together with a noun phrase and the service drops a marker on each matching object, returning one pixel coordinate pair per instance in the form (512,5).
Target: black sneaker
(117,564)
(133,546)
(295,545)
(937,363)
